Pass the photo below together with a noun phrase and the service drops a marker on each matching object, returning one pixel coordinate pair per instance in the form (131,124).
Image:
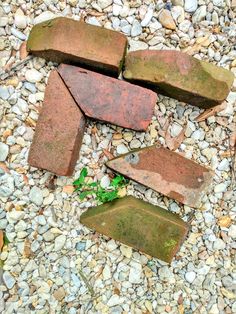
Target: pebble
(135,274)
(114,300)
(122,149)
(221,187)
(105,182)
(166,19)
(223,165)
(59,242)
(136,29)
(20,19)
(190,276)
(36,196)
(135,143)
(15,32)
(46,15)
(4,93)
(219,244)
(147,18)
(232,231)
(4,151)
(190,5)
(8,279)
(200,14)
(33,76)
(104,3)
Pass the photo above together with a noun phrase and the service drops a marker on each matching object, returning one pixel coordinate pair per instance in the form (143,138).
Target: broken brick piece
(148,228)
(108,99)
(166,172)
(65,40)
(59,131)
(178,75)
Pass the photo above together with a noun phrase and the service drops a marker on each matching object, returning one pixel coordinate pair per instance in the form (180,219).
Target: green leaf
(83,175)
(118,181)
(5,239)
(85,193)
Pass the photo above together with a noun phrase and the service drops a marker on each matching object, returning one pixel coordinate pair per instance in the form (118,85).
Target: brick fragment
(166,172)
(59,131)
(108,99)
(69,41)
(160,235)
(180,76)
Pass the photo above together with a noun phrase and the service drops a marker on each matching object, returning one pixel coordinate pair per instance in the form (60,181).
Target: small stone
(106,272)
(105,182)
(20,19)
(136,29)
(4,150)
(232,231)
(200,14)
(45,16)
(190,5)
(8,279)
(178,2)
(122,149)
(114,300)
(13,216)
(224,221)
(4,93)
(59,242)
(135,143)
(147,18)
(219,244)
(221,187)
(59,294)
(104,3)
(36,196)
(166,19)
(190,276)
(18,34)
(48,236)
(135,275)
(184,26)
(80,246)
(223,165)
(126,251)
(33,76)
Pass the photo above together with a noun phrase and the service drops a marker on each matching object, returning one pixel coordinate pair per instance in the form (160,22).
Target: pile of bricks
(75,93)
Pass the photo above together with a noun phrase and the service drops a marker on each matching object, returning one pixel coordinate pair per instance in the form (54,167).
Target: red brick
(166,172)
(161,233)
(180,76)
(64,40)
(107,99)
(59,130)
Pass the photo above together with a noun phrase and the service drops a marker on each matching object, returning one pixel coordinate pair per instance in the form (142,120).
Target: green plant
(102,195)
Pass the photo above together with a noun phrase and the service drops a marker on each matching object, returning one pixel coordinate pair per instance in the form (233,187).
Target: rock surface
(69,41)
(161,234)
(59,130)
(107,99)
(179,76)
(165,172)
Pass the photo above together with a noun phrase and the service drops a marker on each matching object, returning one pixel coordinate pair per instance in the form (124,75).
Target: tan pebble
(68,189)
(59,294)
(117,136)
(224,221)
(14,81)
(166,19)
(6,133)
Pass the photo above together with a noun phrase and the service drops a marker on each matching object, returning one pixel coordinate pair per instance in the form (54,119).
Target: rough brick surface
(148,228)
(59,130)
(69,41)
(180,76)
(166,172)
(107,99)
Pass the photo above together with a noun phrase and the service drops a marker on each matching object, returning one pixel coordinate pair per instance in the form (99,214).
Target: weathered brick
(166,172)
(148,228)
(59,130)
(69,41)
(108,99)
(180,76)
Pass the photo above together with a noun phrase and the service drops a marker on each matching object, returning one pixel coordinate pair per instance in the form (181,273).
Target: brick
(166,172)
(161,233)
(64,40)
(108,99)
(180,76)
(59,130)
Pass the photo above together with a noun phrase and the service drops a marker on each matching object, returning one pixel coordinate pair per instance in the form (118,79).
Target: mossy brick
(143,226)
(108,99)
(166,172)
(179,76)
(59,130)
(64,40)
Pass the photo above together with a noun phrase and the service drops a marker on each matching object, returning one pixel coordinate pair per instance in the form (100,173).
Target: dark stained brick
(148,228)
(166,172)
(64,40)
(180,76)
(107,99)
(59,131)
